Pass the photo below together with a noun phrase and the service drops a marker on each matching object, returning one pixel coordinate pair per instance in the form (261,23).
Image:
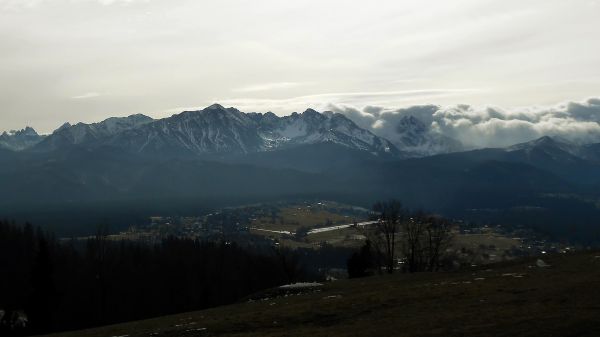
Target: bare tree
(422,238)
(413,229)
(390,216)
(438,237)
(425,240)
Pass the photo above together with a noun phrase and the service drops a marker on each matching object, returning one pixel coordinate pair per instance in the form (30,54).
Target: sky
(87,60)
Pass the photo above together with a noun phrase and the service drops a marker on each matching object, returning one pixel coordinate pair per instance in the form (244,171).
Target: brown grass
(508,299)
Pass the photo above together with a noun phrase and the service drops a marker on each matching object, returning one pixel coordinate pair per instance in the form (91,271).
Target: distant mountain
(572,162)
(17,140)
(416,139)
(89,134)
(209,131)
(591,152)
(218,131)
(312,127)
(548,149)
(557,150)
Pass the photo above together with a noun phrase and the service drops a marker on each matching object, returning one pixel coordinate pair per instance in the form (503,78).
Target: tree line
(47,285)
(402,240)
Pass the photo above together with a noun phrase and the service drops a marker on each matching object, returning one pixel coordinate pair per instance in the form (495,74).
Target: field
(488,246)
(289,219)
(517,298)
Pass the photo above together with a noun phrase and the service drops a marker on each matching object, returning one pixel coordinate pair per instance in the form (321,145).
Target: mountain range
(219,130)
(128,168)
(214,130)
(17,140)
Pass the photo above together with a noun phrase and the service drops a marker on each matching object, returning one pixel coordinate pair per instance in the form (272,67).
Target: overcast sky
(85,60)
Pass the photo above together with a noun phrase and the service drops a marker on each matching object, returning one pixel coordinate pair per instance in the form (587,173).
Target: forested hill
(58,286)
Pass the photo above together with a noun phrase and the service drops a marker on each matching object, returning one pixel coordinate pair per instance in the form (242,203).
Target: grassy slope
(561,300)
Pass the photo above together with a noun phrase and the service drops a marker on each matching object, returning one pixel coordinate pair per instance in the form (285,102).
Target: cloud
(269,86)
(87,95)
(24,4)
(326,100)
(111,2)
(487,126)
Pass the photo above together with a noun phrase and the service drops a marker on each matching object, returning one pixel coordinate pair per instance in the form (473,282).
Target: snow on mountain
(545,143)
(216,130)
(219,130)
(311,127)
(84,134)
(418,140)
(17,140)
(550,148)
(209,131)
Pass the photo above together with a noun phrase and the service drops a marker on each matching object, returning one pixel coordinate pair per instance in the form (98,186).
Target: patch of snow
(541,264)
(333,228)
(272,231)
(301,285)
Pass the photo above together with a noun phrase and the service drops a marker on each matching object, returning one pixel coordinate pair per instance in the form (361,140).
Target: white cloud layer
(87,95)
(487,126)
(23,4)
(268,86)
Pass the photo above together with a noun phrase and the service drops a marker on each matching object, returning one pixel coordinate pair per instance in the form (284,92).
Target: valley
(219,157)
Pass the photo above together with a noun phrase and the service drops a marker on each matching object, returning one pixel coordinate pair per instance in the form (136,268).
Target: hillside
(511,299)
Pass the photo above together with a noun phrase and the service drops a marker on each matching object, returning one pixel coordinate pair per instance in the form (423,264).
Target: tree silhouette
(43,289)
(361,262)
(390,215)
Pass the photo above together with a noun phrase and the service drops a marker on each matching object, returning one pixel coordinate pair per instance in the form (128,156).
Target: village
(314,224)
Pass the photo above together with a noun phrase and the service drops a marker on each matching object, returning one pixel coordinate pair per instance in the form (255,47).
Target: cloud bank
(20,4)
(487,126)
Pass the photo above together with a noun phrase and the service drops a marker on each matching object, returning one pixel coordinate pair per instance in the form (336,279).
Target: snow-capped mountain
(17,140)
(547,146)
(311,127)
(555,149)
(90,134)
(418,140)
(216,130)
(213,130)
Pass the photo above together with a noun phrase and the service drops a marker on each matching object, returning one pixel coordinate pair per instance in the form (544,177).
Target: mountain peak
(312,113)
(416,138)
(550,147)
(63,127)
(17,140)
(139,117)
(29,131)
(412,123)
(544,141)
(313,116)
(215,106)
